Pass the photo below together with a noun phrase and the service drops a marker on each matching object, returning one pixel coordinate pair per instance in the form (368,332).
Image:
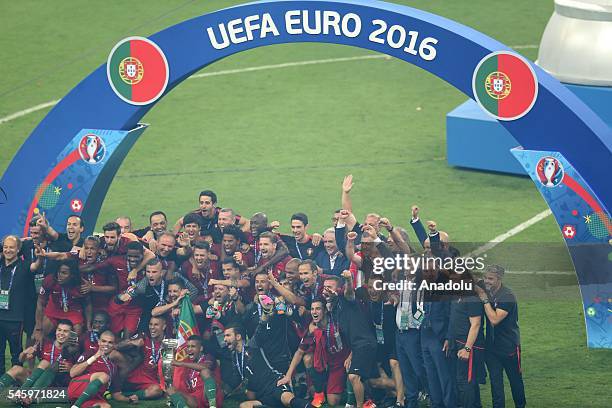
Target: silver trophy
(170,346)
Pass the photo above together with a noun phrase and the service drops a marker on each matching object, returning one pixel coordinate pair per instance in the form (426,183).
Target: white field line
(236,71)
(510,233)
(28,111)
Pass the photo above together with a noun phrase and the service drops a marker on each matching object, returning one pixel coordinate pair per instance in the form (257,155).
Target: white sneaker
(349,406)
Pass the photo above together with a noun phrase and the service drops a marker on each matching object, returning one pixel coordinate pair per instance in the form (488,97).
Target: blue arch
(559,123)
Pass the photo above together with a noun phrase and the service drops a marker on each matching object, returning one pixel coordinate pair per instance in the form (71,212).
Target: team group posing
(285,321)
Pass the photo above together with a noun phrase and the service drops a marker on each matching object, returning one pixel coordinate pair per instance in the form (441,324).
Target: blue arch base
(585,227)
(557,122)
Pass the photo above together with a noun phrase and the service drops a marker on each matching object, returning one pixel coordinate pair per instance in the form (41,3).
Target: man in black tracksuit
(503,339)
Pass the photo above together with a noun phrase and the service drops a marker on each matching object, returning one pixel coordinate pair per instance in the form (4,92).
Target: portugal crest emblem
(92,148)
(498,85)
(131,70)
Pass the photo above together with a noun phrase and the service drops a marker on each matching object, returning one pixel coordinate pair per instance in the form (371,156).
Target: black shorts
(385,352)
(270,396)
(363,362)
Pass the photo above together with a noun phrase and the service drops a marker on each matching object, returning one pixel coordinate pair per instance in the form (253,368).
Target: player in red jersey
(114,243)
(196,383)
(232,240)
(143,353)
(60,298)
(324,355)
(171,310)
(199,270)
(56,358)
(99,324)
(99,283)
(91,376)
(125,316)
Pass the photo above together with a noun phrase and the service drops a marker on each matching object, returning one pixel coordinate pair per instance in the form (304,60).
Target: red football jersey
(119,265)
(152,354)
(60,296)
(90,343)
(102,365)
(201,282)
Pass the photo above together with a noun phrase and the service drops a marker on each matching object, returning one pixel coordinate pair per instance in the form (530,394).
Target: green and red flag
(187,327)
(505,85)
(137,70)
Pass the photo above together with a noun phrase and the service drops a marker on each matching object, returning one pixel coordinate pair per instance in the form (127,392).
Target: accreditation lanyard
(10,281)
(160,294)
(380,336)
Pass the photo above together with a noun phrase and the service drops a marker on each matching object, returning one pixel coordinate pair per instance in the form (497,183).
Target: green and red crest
(505,85)
(137,70)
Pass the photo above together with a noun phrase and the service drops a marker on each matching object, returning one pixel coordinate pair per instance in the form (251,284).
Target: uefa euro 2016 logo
(550,172)
(92,149)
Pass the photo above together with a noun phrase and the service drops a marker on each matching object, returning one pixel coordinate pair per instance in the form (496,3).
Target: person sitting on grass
(195,382)
(143,353)
(56,358)
(92,376)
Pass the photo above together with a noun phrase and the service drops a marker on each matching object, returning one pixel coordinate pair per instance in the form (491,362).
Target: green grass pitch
(280,140)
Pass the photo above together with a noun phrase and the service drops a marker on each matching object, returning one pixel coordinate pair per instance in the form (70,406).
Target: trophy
(170,346)
(92,147)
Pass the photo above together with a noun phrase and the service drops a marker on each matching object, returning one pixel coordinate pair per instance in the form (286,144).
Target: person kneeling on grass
(92,376)
(142,354)
(56,359)
(255,370)
(194,382)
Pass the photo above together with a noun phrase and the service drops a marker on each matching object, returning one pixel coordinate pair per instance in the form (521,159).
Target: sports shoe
(318,400)
(369,404)
(349,406)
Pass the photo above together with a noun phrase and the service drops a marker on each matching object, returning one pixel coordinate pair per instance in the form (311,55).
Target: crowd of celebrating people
(283,320)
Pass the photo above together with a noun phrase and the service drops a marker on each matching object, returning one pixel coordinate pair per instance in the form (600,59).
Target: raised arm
(286,293)
(395,236)
(417,225)
(350,249)
(349,292)
(347,185)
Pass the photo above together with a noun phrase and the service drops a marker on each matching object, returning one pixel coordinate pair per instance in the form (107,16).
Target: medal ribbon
(53,360)
(240,364)
(64,300)
(155,355)
(160,294)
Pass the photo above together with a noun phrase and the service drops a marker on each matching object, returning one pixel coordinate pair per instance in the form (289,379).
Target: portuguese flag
(137,70)
(187,327)
(505,85)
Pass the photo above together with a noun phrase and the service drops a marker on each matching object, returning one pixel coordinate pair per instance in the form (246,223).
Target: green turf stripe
(485,69)
(120,53)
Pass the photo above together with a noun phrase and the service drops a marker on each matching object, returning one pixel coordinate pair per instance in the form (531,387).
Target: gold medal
(65,308)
